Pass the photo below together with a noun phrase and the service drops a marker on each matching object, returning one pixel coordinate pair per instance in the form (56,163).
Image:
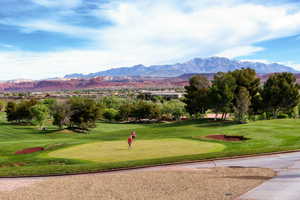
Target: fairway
(117,151)
(105,147)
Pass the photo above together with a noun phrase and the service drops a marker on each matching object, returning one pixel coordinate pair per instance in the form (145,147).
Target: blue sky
(51,38)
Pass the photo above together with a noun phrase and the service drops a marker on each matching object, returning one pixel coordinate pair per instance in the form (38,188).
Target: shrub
(110,114)
(262,116)
(282,116)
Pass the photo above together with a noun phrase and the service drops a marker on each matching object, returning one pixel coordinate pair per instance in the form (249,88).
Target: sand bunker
(30,150)
(227,137)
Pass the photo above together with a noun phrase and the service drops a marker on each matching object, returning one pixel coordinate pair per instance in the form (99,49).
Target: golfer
(129,142)
(133,135)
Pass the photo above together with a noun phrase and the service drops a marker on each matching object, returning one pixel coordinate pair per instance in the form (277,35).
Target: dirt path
(169,183)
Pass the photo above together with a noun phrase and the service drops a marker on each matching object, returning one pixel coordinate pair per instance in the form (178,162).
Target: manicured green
(118,151)
(264,136)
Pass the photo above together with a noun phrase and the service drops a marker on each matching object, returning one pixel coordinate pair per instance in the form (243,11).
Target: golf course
(105,147)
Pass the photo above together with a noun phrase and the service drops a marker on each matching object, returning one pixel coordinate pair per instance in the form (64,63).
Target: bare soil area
(173,184)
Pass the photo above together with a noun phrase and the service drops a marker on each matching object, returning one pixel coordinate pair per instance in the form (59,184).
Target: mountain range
(196,65)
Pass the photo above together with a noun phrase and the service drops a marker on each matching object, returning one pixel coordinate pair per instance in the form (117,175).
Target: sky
(51,38)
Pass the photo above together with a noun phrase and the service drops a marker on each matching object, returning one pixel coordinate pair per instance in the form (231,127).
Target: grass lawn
(117,151)
(105,146)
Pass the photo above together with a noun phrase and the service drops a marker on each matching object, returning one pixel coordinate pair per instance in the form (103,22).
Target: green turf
(118,151)
(264,136)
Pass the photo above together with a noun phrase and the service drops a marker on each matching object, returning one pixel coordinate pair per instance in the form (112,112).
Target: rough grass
(118,151)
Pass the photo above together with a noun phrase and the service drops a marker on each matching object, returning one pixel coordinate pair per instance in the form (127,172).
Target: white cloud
(291,64)
(240,51)
(49,25)
(286,63)
(6,45)
(58,3)
(153,31)
(257,60)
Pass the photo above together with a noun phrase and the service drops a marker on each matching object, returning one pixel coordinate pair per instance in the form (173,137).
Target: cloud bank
(147,32)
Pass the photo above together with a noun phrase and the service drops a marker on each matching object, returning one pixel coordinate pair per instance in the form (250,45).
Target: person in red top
(129,142)
(133,135)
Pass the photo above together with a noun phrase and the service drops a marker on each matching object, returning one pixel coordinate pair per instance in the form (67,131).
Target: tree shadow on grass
(47,131)
(200,123)
(182,123)
(23,128)
(36,131)
(218,124)
(5,124)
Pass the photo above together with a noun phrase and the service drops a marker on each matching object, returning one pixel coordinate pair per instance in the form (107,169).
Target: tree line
(242,93)
(81,114)
(76,113)
(239,93)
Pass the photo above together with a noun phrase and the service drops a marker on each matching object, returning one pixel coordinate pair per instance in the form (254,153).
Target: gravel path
(167,184)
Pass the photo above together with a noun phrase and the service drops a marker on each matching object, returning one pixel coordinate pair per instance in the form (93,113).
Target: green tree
(61,114)
(222,93)
(196,95)
(2,105)
(242,104)
(280,93)
(11,111)
(126,111)
(40,114)
(84,113)
(49,102)
(173,109)
(23,110)
(247,79)
(112,102)
(146,110)
(110,114)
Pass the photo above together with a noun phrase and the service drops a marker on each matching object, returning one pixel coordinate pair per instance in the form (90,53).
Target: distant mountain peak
(196,65)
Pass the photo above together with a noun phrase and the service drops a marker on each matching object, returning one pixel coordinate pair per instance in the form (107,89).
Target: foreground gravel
(167,184)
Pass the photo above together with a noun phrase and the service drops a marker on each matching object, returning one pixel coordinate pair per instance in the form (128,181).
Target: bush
(125,112)
(173,109)
(146,110)
(282,116)
(110,114)
(262,116)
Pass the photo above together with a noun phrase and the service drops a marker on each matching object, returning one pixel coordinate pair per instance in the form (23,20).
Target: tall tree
(126,111)
(40,114)
(23,110)
(242,104)
(11,111)
(146,110)
(61,114)
(280,93)
(247,79)
(221,94)
(2,105)
(84,113)
(196,96)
